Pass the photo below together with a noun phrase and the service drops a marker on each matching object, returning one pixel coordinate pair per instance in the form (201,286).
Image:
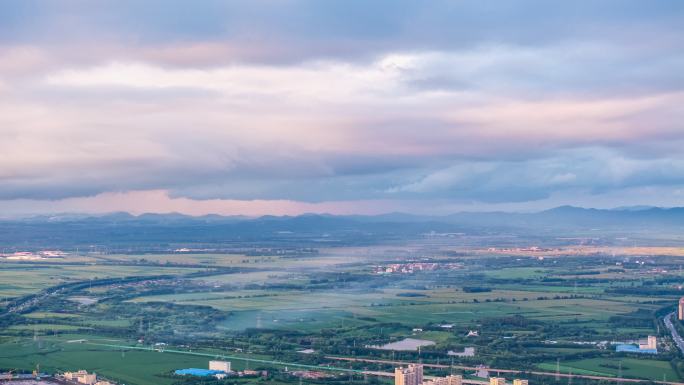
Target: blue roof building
(198,372)
(626,348)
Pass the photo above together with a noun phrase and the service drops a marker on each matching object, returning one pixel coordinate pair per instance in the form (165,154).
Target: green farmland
(526,312)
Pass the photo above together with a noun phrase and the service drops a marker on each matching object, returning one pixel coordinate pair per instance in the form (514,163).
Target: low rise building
(81,376)
(448,380)
(467,352)
(650,343)
(518,381)
(223,366)
(497,381)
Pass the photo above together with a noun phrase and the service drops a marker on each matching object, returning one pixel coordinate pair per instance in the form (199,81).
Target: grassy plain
(22,279)
(130,367)
(630,367)
(331,298)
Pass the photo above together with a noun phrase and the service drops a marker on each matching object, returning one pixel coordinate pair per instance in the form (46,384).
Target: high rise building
(497,381)
(411,375)
(681,309)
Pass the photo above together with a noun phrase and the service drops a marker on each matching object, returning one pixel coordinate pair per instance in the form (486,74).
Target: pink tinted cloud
(159,201)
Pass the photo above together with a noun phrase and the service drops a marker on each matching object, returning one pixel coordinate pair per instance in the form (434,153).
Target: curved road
(675,335)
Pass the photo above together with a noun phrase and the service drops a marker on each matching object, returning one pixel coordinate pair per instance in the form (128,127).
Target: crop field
(518,272)
(630,367)
(131,367)
(254,278)
(46,315)
(275,262)
(226,260)
(16,280)
(44,327)
(70,352)
(526,310)
(386,306)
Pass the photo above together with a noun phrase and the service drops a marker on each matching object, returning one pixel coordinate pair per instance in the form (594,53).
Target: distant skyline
(342,107)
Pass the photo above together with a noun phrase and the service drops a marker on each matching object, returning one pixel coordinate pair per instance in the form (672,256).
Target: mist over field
(358,192)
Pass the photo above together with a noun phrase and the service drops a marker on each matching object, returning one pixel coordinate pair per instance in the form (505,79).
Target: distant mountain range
(563,216)
(170,230)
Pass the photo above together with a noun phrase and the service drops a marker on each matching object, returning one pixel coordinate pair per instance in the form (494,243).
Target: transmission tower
(619,371)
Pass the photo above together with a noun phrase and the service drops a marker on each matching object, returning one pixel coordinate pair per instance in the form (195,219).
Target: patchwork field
(630,367)
(22,279)
(525,311)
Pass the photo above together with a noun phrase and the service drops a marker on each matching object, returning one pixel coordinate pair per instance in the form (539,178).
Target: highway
(675,335)
(509,371)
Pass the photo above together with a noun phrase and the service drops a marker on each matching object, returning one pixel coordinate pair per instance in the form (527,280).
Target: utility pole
(619,371)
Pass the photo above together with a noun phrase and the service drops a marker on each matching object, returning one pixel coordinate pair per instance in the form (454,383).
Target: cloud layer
(332,105)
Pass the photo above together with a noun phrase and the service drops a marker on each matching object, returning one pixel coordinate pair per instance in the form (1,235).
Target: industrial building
(198,372)
(220,370)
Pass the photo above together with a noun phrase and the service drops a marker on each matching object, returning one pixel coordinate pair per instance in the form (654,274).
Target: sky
(339,106)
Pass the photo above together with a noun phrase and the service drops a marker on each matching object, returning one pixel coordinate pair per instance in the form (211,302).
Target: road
(375,373)
(509,371)
(27,302)
(675,335)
